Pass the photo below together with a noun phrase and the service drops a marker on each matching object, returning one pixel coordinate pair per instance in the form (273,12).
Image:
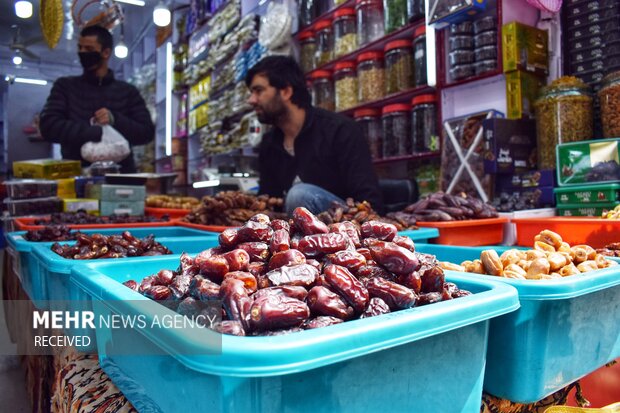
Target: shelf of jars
(308,16)
(398,97)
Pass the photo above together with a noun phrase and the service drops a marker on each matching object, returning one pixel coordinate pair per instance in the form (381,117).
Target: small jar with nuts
(324,38)
(396,130)
(419,56)
(323,90)
(307,45)
(609,97)
(345,81)
(370,76)
(370,122)
(563,114)
(345,33)
(398,66)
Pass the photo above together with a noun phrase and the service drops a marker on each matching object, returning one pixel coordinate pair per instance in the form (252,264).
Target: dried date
(322,321)
(352,260)
(238,260)
(379,230)
(319,244)
(396,296)
(277,311)
(323,301)
(204,289)
(230,327)
(349,287)
(394,258)
(236,301)
(308,223)
(301,275)
(280,241)
(404,242)
(376,306)
(299,293)
(259,251)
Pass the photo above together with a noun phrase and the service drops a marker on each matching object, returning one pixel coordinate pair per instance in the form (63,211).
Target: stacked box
(66,188)
(91,206)
(122,199)
(509,145)
(46,169)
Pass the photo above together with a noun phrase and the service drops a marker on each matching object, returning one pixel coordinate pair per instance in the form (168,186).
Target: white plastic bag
(113,147)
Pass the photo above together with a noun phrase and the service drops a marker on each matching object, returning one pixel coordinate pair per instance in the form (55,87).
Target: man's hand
(104,117)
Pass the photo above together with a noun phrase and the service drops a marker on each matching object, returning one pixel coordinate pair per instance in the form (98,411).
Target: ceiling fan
(20,46)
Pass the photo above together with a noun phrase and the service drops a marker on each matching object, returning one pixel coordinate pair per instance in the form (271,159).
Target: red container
(173,213)
(472,232)
(210,228)
(27,224)
(595,232)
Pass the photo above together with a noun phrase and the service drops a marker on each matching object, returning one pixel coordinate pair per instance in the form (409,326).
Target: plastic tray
(173,213)
(469,232)
(510,229)
(27,224)
(354,366)
(564,330)
(596,232)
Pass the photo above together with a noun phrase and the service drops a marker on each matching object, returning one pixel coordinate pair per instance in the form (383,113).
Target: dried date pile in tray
(94,246)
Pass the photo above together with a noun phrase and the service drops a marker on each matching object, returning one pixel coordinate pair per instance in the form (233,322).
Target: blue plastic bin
(420,234)
(564,330)
(426,359)
(22,259)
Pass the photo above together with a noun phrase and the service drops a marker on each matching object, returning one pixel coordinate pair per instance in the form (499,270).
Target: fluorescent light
(206,184)
(168,98)
(23,9)
(17,60)
(161,15)
(28,81)
(120,50)
(132,2)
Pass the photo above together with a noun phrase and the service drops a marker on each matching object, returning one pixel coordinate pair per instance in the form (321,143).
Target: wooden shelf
(422,155)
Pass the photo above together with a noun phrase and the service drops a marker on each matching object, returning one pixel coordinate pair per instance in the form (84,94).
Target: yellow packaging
(525,48)
(46,169)
(75,204)
(522,90)
(66,188)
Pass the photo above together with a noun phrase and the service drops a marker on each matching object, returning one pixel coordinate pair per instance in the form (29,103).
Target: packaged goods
(485,39)
(33,206)
(522,90)
(424,124)
(460,42)
(30,188)
(462,71)
(454,11)
(345,82)
(530,179)
(345,33)
(525,48)
(588,162)
(576,194)
(509,145)
(307,50)
(461,57)
(485,24)
(76,204)
(485,66)
(463,28)
(46,169)
(586,210)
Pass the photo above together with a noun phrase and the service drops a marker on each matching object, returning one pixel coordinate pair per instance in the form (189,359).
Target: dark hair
(104,37)
(282,71)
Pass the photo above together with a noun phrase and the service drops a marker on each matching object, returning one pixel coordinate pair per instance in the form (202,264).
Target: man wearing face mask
(78,105)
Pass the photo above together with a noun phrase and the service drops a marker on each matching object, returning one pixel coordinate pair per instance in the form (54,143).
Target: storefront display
(370,76)
(345,32)
(398,66)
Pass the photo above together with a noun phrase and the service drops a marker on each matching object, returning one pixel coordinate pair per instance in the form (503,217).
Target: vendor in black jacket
(95,95)
(311,156)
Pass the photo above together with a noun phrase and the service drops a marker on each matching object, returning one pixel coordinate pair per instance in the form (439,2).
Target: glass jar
(345,81)
(369,21)
(323,90)
(415,10)
(345,34)
(323,6)
(424,124)
(369,121)
(370,76)
(398,66)
(609,97)
(395,14)
(563,114)
(307,13)
(396,131)
(307,45)
(419,56)
(324,42)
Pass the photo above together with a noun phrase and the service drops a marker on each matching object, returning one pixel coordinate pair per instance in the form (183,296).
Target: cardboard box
(46,169)
(588,161)
(123,193)
(509,145)
(525,48)
(522,90)
(122,207)
(531,179)
(75,204)
(82,182)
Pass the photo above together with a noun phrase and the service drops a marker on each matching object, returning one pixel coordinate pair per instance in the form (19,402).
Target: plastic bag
(113,147)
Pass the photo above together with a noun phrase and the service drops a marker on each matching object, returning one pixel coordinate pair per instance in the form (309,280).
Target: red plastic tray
(595,232)
(27,224)
(211,228)
(173,213)
(472,232)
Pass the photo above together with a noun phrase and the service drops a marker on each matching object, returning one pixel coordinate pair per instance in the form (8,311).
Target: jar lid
(423,99)
(611,77)
(344,12)
(397,107)
(419,31)
(397,44)
(344,65)
(322,24)
(369,56)
(366,112)
(319,74)
(306,34)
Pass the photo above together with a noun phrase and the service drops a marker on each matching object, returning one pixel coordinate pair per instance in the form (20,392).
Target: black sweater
(73,101)
(330,152)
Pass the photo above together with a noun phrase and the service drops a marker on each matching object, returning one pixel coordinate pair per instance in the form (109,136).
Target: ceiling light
(161,15)
(132,2)
(23,9)
(29,81)
(17,60)
(120,50)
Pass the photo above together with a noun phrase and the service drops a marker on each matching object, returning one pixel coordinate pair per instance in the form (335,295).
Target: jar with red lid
(424,123)
(345,33)
(395,12)
(370,122)
(369,20)
(398,66)
(396,130)
(324,39)
(419,57)
(345,81)
(307,45)
(370,76)
(323,90)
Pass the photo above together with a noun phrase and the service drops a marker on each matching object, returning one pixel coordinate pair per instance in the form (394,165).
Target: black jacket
(65,118)
(330,152)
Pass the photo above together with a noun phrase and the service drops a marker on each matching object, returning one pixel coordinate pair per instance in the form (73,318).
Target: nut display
(325,275)
(173,202)
(358,213)
(445,207)
(345,44)
(96,246)
(82,217)
(51,233)
(551,258)
(346,92)
(613,214)
(609,98)
(233,208)
(610,250)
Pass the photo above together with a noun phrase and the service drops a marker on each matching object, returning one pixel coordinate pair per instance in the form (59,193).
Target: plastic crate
(406,356)
(173,213)
(470,232)
(603,193)
(27,224)
(596,232)
(510,229)
(564,330)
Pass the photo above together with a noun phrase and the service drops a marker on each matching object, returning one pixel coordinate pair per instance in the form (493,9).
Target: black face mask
(90,60)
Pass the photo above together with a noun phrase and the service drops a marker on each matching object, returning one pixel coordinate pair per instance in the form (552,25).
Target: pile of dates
(51,233)
(551,258)
(610,250)
(176,202)
(82,217)
(446,207)
(517,202)
(277,277)
(359,213)
(233,208)
(95,246)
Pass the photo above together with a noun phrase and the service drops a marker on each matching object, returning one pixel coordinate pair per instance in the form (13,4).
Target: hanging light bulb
(161,15)
(17,59)
(121,50)
(23,9)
